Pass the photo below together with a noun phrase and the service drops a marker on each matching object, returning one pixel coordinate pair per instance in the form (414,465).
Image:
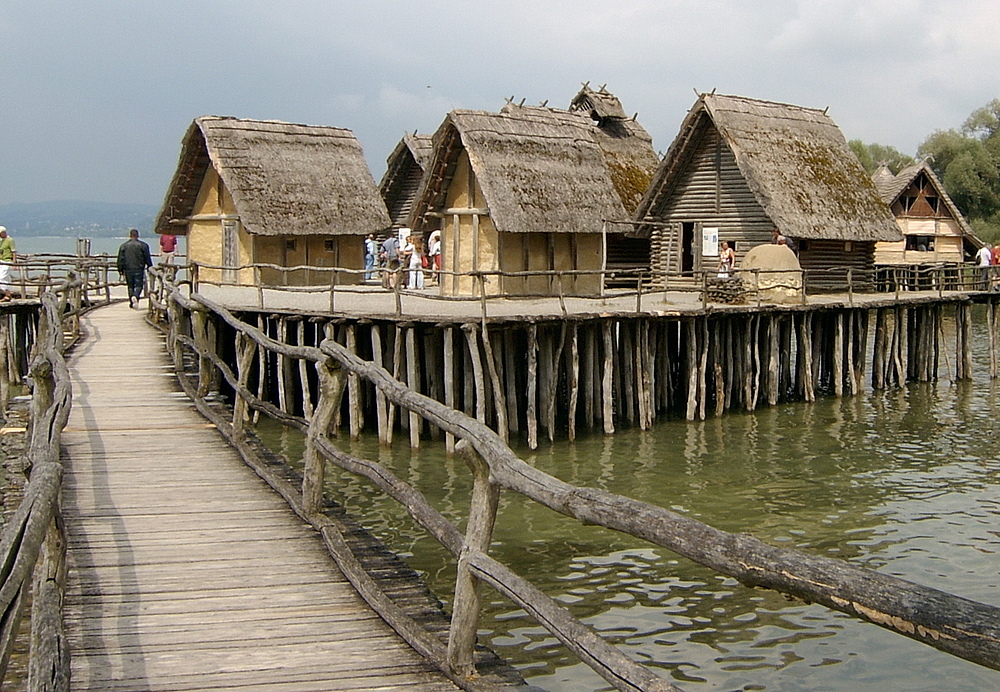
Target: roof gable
(540,169)
(893,187)
(285,179)
(795,162)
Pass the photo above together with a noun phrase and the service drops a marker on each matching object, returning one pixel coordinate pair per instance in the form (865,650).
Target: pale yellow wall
(309,251)
(947,236)
(463,249)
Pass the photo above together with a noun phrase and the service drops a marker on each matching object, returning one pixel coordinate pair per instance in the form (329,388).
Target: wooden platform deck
(186,572)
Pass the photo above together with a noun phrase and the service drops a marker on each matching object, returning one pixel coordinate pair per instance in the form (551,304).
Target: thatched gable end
(404,172)
(796,163)
(285,179)
(540,169)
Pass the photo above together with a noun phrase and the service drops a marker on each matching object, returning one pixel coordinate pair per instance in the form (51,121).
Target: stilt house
(264,192)
(529,189)
(404,171)
(741,168)
(934,230)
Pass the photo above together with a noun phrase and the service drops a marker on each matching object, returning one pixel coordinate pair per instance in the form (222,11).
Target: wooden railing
(743,286)
(950,623)
(32,544)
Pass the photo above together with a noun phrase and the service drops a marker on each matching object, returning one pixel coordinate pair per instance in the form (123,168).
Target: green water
(905,482)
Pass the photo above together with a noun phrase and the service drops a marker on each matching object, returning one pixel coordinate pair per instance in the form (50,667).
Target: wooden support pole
(991,327)
(691,340)
(449,381)
(380,403)
(607,381)
(531,408)
(573,373)
(397,365)
(472,340)
(510,375)
(878,349)
(773,359)
(478,535)
(498,392)
(703,369)
(838,355)
(413,382)
(355,414)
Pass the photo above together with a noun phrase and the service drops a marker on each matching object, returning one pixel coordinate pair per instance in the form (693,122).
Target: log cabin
(530,189)
(741,169)
(404,172)
(934,230)
(266,192)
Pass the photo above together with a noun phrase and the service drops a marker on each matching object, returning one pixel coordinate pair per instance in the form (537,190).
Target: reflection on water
(905,482)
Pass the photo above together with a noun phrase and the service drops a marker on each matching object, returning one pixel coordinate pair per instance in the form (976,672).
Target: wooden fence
(950,623)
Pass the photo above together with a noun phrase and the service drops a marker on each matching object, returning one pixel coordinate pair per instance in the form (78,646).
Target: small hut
(265,192)
(741,169)
(404,171)
(934,230)
(527,189)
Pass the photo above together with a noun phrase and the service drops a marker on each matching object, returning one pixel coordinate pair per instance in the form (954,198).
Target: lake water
(53,245)
(906,482)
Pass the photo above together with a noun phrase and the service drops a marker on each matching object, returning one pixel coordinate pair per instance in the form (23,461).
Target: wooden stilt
(449,381)
(413,382)
(574,380)
(307,404)
(499,397)
(381,415)
(510,372)
(607,381)
(531,408)
(691,334)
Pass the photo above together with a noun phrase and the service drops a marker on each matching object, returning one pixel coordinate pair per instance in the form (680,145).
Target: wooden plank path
(186,572)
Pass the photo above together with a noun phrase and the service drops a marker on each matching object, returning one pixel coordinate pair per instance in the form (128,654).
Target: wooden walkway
(186,572)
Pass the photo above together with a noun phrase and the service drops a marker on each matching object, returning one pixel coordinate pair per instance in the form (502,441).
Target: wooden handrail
(944,621)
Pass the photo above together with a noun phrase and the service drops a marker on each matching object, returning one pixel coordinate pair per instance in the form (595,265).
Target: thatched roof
(285,179)
(541,169)
(404,171)
(796,163)
(628,148)
(891,187)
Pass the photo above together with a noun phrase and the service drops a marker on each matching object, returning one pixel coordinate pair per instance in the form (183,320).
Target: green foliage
(874,155)
(968,163)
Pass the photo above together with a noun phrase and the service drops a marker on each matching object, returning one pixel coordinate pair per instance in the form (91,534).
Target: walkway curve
(186,572)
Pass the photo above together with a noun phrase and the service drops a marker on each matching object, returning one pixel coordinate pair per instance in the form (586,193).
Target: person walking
(133,259)
(371,252)
(8,256)
(390,258)
(985,257)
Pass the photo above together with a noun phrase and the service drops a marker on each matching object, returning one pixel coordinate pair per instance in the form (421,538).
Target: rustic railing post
(199,325)
(48,664)
(330,390)
(245,349)
(478,534)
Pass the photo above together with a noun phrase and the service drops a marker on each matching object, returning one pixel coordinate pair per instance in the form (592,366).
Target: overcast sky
(95,95)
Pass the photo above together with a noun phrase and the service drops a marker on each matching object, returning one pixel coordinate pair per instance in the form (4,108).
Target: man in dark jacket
(133,258)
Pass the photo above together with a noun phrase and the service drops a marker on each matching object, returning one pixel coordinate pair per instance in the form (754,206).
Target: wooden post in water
(478,535)
(574,379)
(607,381)
(380,403)
(532,386)
(413,382)
(449,381)
(991,323)
(498,391)
(307,404)
(355,414)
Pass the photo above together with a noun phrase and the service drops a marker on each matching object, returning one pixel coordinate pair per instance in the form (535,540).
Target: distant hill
(76,218)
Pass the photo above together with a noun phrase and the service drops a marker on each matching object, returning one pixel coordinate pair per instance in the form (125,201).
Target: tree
(874,155)
(968,163)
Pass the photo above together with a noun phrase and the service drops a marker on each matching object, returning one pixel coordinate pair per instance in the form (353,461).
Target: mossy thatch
(285,179)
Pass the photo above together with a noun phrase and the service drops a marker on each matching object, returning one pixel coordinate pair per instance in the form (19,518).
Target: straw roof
(404,171)
(796,163)
(628,148)
(285,179)
(891,187)
(541,169)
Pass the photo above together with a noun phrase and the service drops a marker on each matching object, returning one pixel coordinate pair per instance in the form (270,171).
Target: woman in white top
(415,252)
